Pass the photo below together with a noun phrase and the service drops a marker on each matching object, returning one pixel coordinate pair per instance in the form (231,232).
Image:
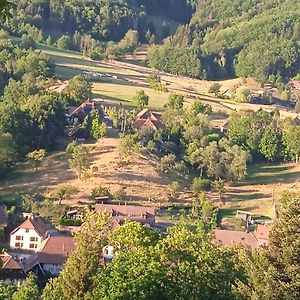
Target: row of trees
(265,135)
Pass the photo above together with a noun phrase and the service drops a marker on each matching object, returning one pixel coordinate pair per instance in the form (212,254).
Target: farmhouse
(148,118)
(262,234)
(12,269)
(232,237)
(77,115)
(53,254)
(29,235)
(252,240)
(121,213)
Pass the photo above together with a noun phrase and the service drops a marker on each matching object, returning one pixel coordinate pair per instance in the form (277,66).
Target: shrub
(70,222)
(100,191)
(120,194)
(200,185)
(63,191)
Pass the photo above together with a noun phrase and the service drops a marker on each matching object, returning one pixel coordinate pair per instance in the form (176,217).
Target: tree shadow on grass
(247,196)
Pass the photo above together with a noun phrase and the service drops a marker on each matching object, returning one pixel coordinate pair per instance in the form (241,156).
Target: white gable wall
(27,239)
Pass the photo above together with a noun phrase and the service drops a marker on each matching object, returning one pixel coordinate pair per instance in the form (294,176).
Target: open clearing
(142,181)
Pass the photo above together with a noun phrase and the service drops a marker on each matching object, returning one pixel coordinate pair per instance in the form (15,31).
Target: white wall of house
(27,239)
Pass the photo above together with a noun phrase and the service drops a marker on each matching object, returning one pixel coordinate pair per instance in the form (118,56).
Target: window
(18,245)
(27,230)
(19,238)
(33,239)
(33,246)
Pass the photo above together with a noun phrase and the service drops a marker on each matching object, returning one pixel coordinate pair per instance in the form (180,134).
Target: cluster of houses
(76,115)
(35,246)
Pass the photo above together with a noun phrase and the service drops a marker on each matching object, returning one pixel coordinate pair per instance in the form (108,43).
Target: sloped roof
(33,222)
(54,250)
(3,216)
(232,237)
(142,113)
(262,231)
(139,123)
(9,262)
(296,120)
(126,210)
(86,108)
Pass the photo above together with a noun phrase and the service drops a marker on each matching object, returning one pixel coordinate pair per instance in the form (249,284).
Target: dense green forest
(214,39)
(102,19)
(242,38)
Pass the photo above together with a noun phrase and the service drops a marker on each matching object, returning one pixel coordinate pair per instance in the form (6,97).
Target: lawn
(262,187)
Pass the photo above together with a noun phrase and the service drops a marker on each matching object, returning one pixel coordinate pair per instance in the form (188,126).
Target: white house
(29,235)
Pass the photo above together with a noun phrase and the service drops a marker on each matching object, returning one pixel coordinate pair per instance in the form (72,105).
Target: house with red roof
(75,116)
(262,234)
(122,213)
(12,270)
(234,237)
(148,118)
(252,240)
(30,234)
(52,256)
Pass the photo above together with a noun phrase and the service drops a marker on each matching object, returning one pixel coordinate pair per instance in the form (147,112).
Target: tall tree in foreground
(75,280)
(28,290)
(273,273)
(182,265)
(4,9)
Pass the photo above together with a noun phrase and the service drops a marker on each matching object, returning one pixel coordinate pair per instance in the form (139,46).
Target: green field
(118,90)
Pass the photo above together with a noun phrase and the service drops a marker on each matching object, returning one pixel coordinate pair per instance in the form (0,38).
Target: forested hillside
(103,19)
(244,38)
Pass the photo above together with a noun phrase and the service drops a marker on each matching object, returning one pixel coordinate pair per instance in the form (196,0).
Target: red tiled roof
(54,250)
(34,222)
(138,124)
(262,231)
(142,113)
(9,262)
(231,237)
(126,210)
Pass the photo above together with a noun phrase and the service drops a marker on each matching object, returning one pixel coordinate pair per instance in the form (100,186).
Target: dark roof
(77,132)
(126,209)
(33,222)
(3,216)
(232,237)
